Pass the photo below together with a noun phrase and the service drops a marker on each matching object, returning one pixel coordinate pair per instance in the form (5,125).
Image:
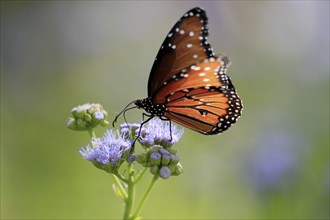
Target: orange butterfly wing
(202,98)
(184,45)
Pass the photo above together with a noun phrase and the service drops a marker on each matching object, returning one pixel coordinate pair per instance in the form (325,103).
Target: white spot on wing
(193,67)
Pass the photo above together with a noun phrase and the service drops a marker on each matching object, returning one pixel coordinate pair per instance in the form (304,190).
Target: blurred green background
(274,163)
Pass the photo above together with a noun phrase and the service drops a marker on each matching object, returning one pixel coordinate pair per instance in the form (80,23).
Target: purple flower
(163,151)
(155,156)
(274,163)
(98,116)
(129,130)
(110,150)
(165,172)
(157,131)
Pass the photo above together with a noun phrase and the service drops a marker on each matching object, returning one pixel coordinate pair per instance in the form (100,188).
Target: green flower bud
(155,158)
(156,148)
(104,113)
(166,159)
(174,159)
(81,124)
(87,116)
(104,123)
(80,112)
(141,158)
(178,170)
(91,110)
(71,123)
(172,151)
(154,170)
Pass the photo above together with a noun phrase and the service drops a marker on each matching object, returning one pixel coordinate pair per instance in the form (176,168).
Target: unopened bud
(87,116)
(178,170)
(165,172)
(154,170)
(155,158)
(166,158)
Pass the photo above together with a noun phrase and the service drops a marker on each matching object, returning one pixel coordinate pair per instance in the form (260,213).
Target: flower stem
(121,177)
(129,201)
(120,187)
(139,176)
(145,196)
(91,133)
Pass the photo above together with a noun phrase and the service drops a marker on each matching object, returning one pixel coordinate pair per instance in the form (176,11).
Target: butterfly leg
(141,125)
(166,119)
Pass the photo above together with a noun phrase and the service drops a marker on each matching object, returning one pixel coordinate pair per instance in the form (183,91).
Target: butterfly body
(188,83)
(152,109)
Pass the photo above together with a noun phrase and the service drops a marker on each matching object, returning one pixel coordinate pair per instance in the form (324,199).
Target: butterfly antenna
(124,116)
(123,112)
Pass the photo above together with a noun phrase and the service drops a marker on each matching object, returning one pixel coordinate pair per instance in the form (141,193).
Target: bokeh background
(274,163)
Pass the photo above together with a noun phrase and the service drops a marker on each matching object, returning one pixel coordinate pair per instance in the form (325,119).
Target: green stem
(139,176)
(145,196)
(120,186)
(121,177)
(129,201)
(91,133)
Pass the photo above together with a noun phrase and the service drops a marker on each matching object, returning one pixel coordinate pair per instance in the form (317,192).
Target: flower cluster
(116,148)
(157,137)
(162,162)
(158,132)
(86,117)
(108,152)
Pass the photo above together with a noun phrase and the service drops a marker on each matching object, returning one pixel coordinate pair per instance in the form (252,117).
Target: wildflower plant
(115,152)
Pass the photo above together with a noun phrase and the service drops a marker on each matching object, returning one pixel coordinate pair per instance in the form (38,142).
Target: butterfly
(188,83)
